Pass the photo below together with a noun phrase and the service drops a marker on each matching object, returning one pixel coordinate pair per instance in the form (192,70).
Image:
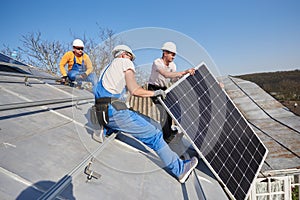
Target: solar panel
(217,130)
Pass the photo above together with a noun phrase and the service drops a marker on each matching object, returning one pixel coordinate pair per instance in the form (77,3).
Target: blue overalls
(141,127)
(77,70)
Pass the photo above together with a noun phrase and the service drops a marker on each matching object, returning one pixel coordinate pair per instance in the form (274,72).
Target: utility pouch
(101,105)
(102,113)
(93,115)
(98,133)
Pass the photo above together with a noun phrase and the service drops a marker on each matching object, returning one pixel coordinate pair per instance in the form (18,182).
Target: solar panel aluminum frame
(221,116)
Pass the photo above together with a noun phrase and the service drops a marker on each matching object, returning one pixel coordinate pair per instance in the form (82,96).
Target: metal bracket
(77,105)
(27,82)
(91,173)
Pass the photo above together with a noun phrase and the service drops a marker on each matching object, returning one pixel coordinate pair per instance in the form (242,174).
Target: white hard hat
(78,43)
(122,47)
(169,46)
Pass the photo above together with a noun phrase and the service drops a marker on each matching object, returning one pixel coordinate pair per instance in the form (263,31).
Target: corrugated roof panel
(277,127)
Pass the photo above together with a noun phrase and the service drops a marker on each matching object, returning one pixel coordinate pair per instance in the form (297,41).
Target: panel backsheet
(219,133)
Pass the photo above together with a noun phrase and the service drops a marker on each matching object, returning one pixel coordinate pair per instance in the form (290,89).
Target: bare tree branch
(42,53)
(47,54)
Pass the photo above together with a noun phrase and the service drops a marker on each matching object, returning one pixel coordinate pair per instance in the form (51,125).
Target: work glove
(63,80)
(160,93)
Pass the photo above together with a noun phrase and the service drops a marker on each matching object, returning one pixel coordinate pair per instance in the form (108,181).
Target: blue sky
(240,36)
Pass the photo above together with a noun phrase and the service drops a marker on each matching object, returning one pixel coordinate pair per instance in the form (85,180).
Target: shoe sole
(184,178)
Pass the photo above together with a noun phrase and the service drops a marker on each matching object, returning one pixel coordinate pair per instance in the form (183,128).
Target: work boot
(188,168)
(71,84)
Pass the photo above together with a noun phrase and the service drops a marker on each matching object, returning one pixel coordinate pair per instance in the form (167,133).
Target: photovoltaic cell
(218,131)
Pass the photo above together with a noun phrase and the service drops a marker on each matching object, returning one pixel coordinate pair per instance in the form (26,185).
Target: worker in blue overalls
(80,67)
(113,114)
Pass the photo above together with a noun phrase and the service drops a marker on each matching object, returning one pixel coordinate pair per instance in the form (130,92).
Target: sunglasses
(169,52)
(78,48)
(129,55)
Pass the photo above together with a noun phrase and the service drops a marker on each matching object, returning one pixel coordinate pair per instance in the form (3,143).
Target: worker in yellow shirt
(80,67)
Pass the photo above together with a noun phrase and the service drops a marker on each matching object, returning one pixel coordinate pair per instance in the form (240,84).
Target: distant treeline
(283,85)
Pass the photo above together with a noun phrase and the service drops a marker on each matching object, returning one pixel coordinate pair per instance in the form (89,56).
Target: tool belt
(100,109)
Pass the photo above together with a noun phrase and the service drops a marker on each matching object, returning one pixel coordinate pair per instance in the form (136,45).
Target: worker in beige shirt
(163,71)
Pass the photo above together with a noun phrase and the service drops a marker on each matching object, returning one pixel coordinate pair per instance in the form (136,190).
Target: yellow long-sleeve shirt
(68,58)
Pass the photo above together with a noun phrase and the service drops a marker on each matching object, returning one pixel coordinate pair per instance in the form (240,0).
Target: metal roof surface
(46,149)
